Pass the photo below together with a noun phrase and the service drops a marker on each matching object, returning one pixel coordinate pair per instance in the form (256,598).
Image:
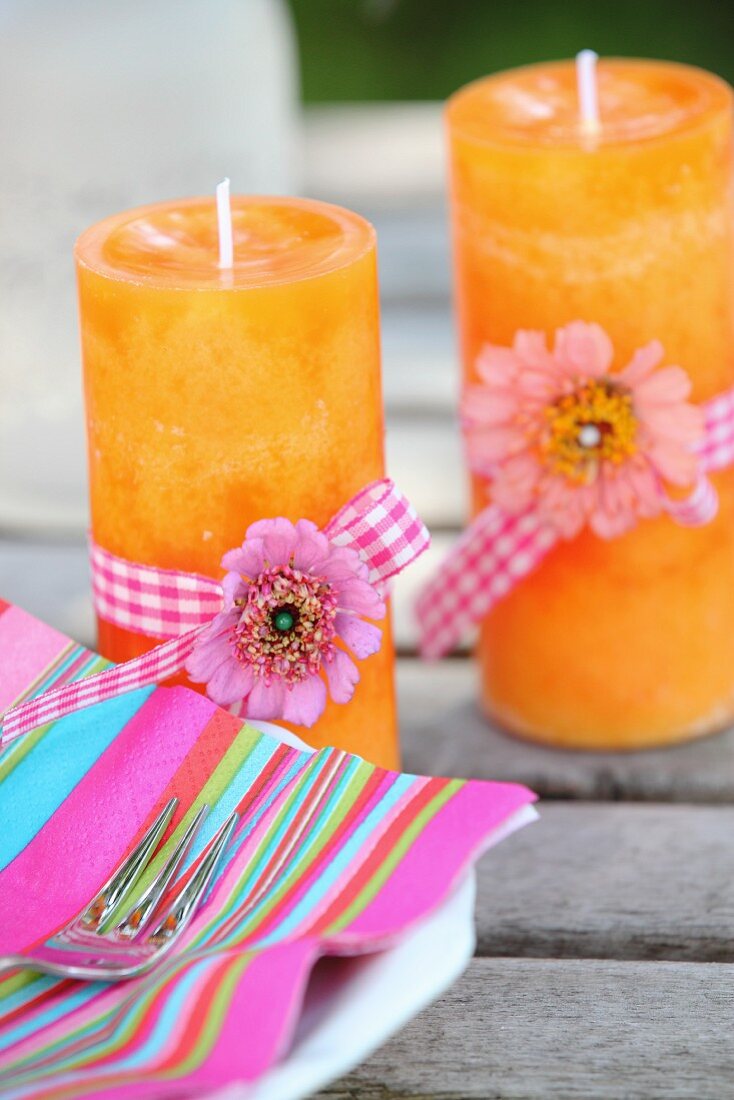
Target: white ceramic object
(354,1005)
(104,106)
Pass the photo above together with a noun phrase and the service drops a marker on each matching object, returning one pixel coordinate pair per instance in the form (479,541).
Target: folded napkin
(332,856)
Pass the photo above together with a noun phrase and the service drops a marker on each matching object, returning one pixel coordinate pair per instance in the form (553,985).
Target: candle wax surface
(219,397)
(274,242)
(538,106)
(629,642)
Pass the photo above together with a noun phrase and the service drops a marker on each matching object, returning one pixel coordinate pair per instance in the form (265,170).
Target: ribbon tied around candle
(563,442)
(295,606)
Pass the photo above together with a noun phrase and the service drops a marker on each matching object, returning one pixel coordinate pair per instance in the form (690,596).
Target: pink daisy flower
(564,432)
(293,606)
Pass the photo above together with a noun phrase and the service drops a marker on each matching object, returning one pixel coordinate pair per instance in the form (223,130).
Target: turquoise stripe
(177,998)
(79,995)
(303,848)
(94,661)
(242,780)
(340,861)
(318,763)
(23,995)
(39,784)
(233,794)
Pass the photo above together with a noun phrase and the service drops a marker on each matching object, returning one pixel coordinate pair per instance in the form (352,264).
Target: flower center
(285,619)
(594,424)
(286,625)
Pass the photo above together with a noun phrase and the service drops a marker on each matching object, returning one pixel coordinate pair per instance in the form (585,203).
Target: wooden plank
(525,1029)
(443,733)
(615,881)
(424,459)
(420,358)
(51,581)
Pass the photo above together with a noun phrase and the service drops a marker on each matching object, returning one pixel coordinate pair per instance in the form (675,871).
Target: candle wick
(224,226)
(588,91)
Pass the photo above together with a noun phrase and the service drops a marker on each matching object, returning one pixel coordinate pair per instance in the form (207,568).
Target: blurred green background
(425,49)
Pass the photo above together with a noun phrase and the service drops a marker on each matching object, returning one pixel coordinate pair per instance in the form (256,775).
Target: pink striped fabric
(383,526)
(717,450)
(491,556)
(378,522)
(157,602)
(497,549)
(156,665)
(698,508)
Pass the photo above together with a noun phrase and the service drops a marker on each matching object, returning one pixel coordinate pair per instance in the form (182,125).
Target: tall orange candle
(219,396)
(628,642)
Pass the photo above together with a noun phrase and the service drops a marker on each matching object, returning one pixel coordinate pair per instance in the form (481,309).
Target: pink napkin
(332,856)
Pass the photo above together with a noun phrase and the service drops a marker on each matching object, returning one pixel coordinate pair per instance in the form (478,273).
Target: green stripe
(338,807)
(279,827)
(244,744)
(407,839)
(214,1021)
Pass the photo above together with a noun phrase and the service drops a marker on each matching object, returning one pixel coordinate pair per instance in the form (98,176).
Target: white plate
(353,1006)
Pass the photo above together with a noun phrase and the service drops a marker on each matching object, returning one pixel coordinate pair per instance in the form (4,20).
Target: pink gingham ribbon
(161,603)
(498,549)
(379,523)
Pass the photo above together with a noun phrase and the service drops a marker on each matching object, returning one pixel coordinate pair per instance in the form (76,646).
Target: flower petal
(231,682)
(497,366)
(664,387)
(266,700)
(221,625)
(531,348)
(305,702)
(206,657)
(361,637)
(681,423)
(645,487)
(278,536)
(342,674)
(359,596)
(248,559)
(482,405)
(641,364)
(341,563)
(673,463)
(491,445)
(312,545)
(583,349)
(234,588)
(566,507)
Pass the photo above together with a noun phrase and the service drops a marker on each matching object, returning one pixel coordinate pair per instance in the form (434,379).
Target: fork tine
(139,916)
(181,910)
(127,874)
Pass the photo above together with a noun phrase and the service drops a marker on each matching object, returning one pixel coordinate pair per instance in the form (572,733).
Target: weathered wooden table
(605,962)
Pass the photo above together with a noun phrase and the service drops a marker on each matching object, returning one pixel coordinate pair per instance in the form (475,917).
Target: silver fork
(98,945)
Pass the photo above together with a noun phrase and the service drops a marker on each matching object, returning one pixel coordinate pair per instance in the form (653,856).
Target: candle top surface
(175,245)
(538,105)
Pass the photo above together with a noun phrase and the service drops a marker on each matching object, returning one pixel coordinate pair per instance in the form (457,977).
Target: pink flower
(293,606)
(562,431)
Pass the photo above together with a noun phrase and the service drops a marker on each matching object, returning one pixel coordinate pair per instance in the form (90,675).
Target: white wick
(224,225)
(588,90)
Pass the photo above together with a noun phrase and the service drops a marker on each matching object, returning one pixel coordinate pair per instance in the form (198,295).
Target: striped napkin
(332,856)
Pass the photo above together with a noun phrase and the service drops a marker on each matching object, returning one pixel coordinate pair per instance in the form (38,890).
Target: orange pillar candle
(629,642)
(216,397)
